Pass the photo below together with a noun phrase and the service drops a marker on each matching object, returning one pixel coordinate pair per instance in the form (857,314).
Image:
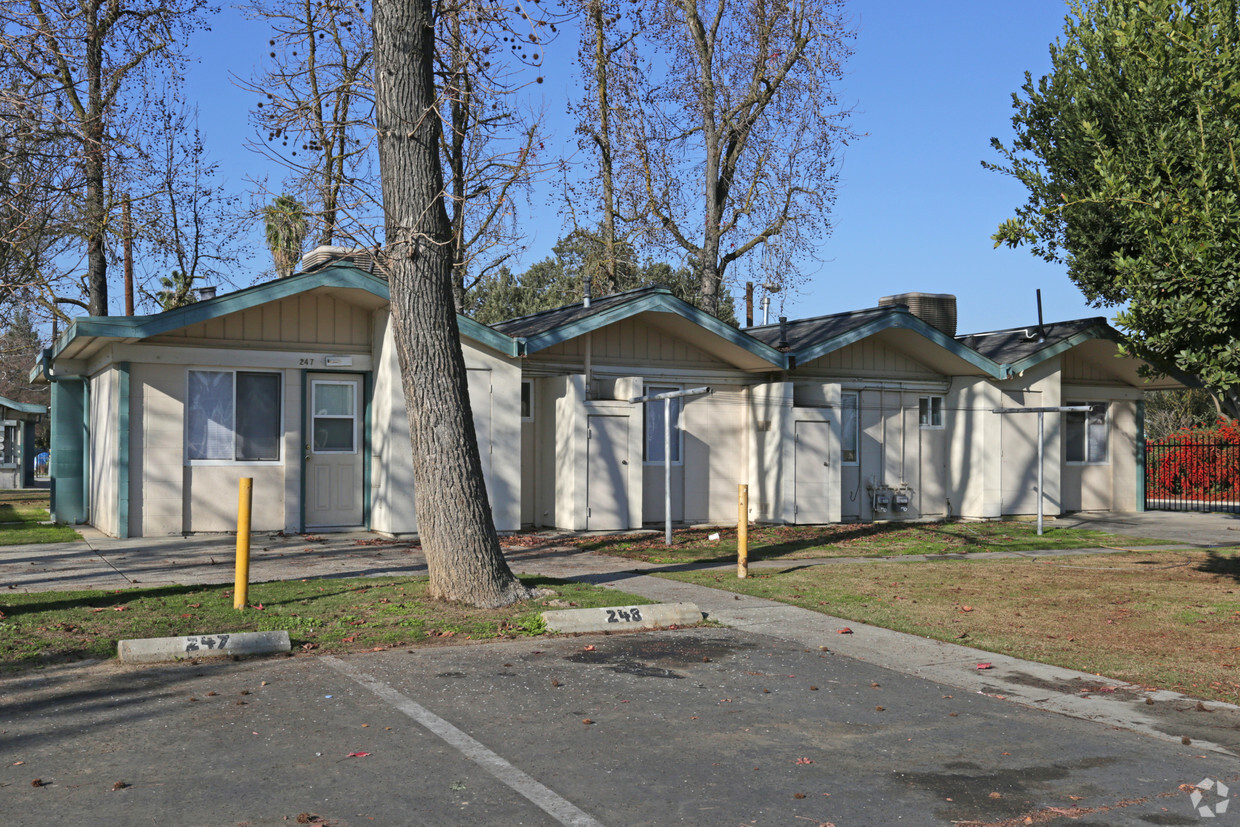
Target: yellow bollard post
(742,533)
(245,498)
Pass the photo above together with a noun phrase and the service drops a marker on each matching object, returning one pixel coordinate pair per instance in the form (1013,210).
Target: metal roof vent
(935,309)
(325,256)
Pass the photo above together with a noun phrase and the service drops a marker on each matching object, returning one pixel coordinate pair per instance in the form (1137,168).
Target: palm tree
(177,291)
(286,224)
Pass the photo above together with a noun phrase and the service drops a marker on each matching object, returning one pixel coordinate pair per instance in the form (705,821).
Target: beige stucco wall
(170,496)
(495,397)
(1110,486)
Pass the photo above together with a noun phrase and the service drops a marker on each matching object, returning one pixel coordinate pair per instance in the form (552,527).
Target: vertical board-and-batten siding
(631,342)
(868,358)
(317,319)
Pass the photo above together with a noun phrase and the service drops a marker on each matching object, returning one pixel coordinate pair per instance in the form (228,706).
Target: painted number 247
(630,614)
(194,644)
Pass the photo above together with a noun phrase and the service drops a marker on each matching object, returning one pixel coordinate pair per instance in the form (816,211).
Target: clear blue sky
(930,84)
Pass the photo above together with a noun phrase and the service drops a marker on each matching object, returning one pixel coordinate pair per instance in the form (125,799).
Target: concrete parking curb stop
(159,649)
(613,618)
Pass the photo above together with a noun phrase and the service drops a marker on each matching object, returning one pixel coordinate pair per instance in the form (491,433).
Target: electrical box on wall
(901,500)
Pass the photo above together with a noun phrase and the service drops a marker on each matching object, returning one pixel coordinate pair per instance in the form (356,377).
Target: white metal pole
(1040,497)
(667,468)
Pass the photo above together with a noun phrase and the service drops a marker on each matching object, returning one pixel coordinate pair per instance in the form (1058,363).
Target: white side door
(812,459)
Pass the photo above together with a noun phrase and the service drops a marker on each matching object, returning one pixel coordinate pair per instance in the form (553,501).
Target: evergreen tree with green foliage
(559,280)
(1129,149)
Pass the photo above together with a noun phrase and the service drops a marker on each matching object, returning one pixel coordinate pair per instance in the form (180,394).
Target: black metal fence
(1192,472)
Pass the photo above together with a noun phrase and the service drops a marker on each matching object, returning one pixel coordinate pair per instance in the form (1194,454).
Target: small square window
(848,428)
(930,411)
(527,401)
(1085,434)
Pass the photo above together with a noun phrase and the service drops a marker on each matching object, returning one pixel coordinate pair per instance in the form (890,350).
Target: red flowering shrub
(1201,463)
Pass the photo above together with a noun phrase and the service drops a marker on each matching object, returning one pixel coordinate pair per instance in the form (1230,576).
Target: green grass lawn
(22,514)
(692,545)
(1166,619)
(319,615)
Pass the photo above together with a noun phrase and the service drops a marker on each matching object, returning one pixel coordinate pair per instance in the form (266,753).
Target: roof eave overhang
(898,318)
(1062,346)
(658,303)
(142,327)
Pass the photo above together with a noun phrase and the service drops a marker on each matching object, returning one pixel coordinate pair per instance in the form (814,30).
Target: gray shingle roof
(546,320)
(806,332)
(1010,346)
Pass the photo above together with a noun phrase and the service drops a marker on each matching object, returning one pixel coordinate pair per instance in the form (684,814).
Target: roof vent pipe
(585,290)
(783,331)
(1041,327)
(206,293)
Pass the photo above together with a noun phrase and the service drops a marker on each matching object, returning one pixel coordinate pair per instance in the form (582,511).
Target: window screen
(258,416)
(1085,433)
(211,415)
(654,425)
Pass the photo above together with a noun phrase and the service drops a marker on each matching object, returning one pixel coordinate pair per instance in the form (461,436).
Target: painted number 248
(630,614)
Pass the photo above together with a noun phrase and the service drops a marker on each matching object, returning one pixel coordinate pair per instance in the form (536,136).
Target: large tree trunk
(95,205)
(602,137)
(454,516)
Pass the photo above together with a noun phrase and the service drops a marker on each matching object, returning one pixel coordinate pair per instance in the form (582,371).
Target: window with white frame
(232,416)
(930,411)
(334,421)
(1085,434)
(654,436)
(848,428)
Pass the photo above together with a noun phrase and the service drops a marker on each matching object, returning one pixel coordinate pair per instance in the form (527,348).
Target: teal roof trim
(1097,332)
(484,335)
(899,317)
(22,407)
(346,277)
(660,302)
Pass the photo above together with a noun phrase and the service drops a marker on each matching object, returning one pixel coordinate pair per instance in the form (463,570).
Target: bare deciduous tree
(490,152)
(316,112)
(734,142)
(82,66)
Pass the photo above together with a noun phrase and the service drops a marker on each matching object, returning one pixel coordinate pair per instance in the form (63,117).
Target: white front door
(334,450)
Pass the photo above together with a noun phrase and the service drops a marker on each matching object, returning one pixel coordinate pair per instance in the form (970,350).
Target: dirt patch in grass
(1168,619)
(321,616)
(693,545)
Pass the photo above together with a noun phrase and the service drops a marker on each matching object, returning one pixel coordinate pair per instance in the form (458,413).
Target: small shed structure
(17,436)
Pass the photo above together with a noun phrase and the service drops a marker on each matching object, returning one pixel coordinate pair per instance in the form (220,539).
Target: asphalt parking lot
(775,719)
(697,726)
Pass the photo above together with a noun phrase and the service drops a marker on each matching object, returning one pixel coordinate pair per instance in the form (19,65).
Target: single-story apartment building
(881,413)
(17,436)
